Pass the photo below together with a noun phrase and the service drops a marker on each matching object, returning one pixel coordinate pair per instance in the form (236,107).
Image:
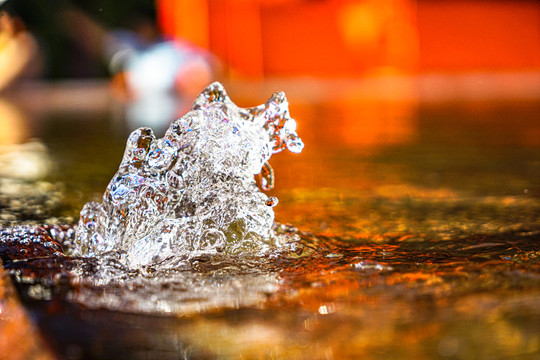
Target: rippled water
(417,236)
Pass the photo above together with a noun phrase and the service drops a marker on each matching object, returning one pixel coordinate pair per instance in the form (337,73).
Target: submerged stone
(193,191)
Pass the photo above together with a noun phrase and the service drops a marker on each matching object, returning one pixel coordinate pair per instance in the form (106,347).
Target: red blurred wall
(350,37)
(463,35)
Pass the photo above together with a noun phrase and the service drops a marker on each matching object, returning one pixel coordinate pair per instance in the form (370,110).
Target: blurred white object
(29,161)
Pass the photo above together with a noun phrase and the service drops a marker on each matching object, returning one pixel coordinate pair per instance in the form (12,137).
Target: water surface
(418,237)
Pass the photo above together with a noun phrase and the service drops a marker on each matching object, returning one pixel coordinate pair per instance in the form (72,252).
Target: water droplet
(271,201)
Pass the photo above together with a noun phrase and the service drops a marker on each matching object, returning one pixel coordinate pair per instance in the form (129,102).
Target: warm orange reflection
(361,123)
(13,128)
(361,294)
(19,339)
(376,123)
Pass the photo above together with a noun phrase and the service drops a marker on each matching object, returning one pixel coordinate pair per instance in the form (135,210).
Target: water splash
(193,191)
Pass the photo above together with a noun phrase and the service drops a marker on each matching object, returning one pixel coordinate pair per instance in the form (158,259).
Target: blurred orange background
(329,38)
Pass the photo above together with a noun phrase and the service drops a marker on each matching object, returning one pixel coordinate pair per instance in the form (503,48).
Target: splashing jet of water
(193,191)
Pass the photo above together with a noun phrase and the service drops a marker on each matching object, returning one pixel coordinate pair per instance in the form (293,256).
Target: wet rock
(24,243)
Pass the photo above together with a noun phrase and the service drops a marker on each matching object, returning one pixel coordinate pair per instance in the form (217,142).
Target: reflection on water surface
(418,232)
